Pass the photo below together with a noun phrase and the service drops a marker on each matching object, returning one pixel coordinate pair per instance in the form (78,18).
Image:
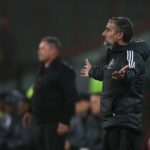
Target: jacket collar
(55,61)
(42,69)
(115,49)
(52,64)
(119,48)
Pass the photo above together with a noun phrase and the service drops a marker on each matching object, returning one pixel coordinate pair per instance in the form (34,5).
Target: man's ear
(120,35)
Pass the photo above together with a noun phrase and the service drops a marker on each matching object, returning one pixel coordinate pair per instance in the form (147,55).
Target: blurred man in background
(94,131)
(54,96)
(9,121)
(13,135)
(123,78)
(77,134)
(85,128)
(95,103)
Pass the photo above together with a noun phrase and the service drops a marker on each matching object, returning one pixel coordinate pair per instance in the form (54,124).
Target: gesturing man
(54,95)
(123,77)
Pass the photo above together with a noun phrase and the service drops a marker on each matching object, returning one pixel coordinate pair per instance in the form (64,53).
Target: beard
(108,44)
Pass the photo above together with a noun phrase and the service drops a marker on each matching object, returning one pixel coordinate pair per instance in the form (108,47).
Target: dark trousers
(116,138)
(47,137)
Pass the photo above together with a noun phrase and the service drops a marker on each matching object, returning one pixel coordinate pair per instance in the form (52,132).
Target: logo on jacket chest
(111,63)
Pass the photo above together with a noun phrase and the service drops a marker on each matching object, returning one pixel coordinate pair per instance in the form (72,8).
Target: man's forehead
(110,24)
(45,43)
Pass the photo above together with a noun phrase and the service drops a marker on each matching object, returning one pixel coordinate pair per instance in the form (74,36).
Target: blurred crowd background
(78,24)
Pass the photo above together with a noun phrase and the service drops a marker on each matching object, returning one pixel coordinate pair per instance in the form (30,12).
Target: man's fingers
(124,69)
(121,71)
(117,75)
(114,73)
(83,73)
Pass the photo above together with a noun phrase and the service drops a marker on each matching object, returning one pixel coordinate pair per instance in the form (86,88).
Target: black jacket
(54,93)
(121,100)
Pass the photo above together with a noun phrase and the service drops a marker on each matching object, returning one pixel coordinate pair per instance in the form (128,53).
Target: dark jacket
(121,100)
(14,136)
(54,93)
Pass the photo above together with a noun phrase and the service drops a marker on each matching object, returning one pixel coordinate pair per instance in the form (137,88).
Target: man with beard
(123,77)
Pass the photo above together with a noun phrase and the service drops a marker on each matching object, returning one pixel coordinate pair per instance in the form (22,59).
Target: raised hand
(85,70)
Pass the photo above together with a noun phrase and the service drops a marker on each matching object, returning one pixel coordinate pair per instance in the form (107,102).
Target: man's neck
(48,62)
(121,43)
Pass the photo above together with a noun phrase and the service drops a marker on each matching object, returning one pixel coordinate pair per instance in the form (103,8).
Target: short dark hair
(124,25)
(52,40)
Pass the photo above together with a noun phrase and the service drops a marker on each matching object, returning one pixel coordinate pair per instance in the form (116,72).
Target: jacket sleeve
(68,87)
(97,72)
(136,66)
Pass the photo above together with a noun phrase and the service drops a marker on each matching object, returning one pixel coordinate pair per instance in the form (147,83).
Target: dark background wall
(77,23)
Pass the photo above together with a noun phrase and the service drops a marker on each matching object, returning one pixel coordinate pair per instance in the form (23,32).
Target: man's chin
(41,60)
(108,45)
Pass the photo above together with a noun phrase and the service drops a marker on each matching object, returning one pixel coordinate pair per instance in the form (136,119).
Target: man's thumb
(87,61)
